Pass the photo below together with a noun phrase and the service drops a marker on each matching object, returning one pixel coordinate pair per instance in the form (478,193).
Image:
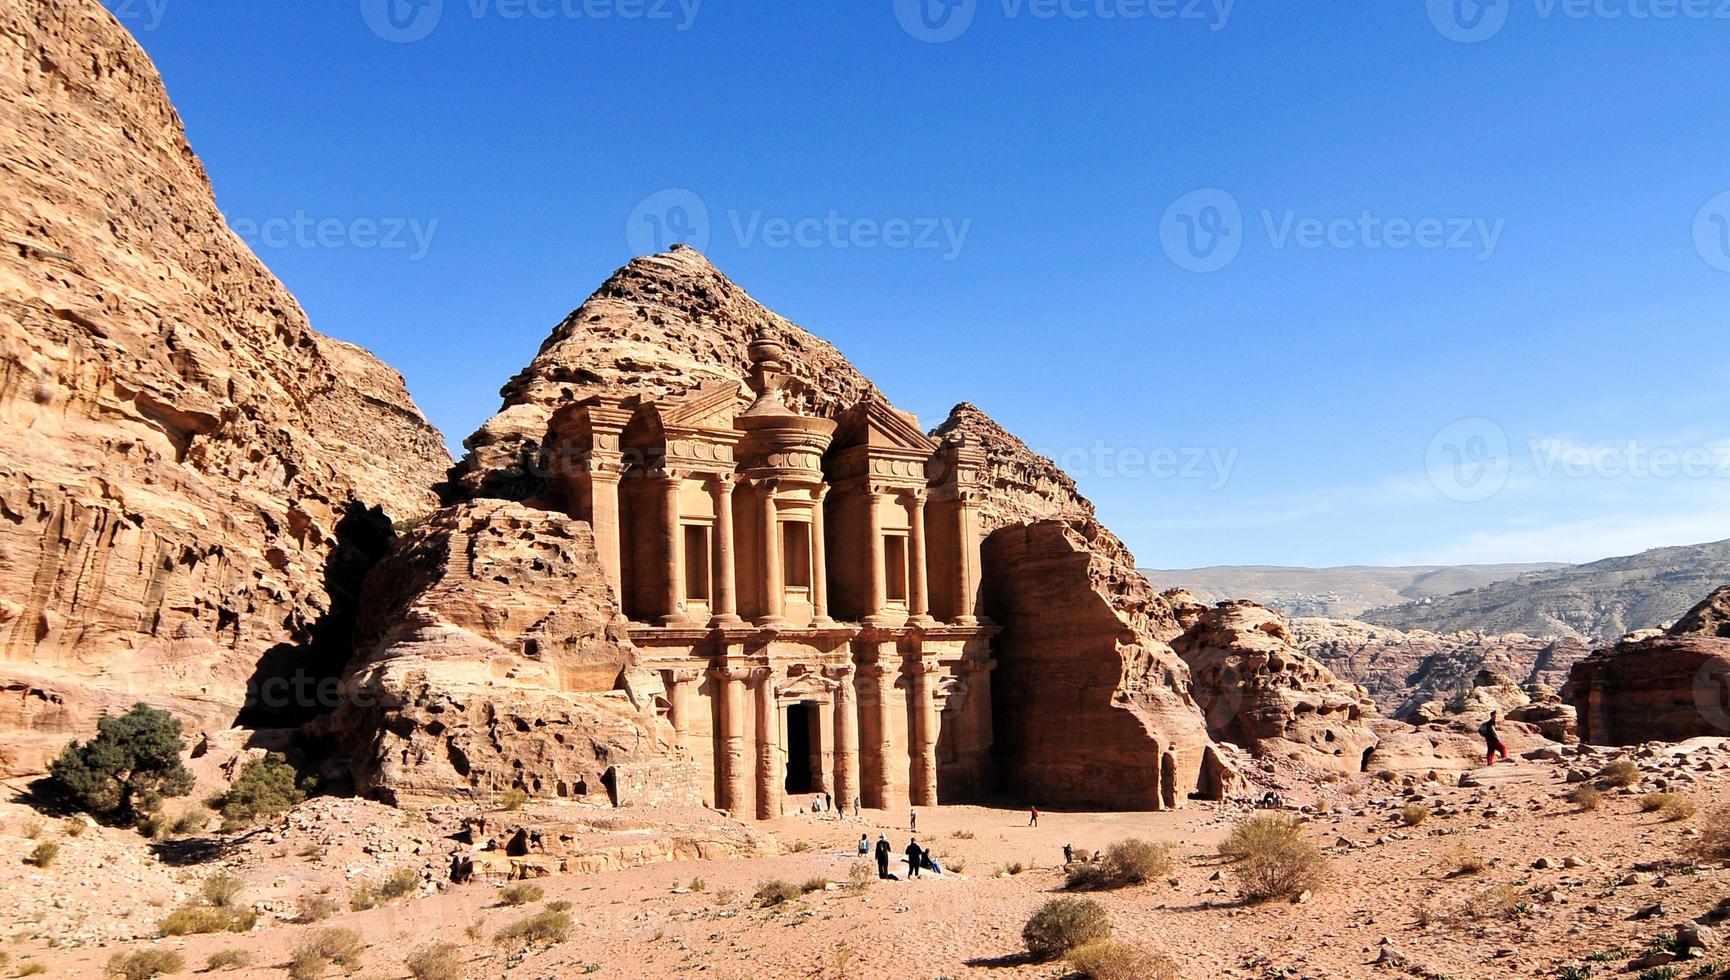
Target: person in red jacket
(1033,816)
(1492,741)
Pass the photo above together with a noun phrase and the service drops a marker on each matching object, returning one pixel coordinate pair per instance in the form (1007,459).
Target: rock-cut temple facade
(808,589)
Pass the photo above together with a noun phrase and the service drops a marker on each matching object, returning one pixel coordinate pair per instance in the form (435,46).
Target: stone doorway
(801,722)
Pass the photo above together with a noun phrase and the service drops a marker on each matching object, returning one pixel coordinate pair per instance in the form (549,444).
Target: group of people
(825,803)
(918,858)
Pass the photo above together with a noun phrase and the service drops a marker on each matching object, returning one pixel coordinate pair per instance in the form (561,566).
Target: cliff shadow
(296,682)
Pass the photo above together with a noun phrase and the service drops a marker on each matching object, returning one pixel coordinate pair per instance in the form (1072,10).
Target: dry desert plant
(1586,796)
(1621,772)
(1127,862)
(1463,860)
(43,854)
(145,964)
(227,959)
(324,949)
(439,961)
(1274,859)
(1413,814)
(772,893)
(1107,959)
(1063,924)
(542,927)
(1714,840)
(521,893)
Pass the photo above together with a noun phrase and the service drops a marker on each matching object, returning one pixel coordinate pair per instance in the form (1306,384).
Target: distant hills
(1334,593)
(1595,602)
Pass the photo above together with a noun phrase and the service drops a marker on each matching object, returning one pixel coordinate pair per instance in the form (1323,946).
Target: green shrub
(1063,924)
(128,768)
(439,961)
(145,964)
(402,883)
(1127,862)
(227,959)
(542,927)
(190,822)
(1274,859)
(324,949)
(1107,959)
(193,920)
(266,787)
(521,893)
(1622,772)
(43,854)
(513,799)
(771,893)
(221,889)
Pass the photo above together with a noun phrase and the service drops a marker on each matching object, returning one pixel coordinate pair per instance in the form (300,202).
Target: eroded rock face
(1666,688)
(182,450)
(493,656)
(1259,691)
(1404,670)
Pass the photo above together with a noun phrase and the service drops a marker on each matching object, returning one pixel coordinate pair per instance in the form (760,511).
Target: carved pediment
(874,423)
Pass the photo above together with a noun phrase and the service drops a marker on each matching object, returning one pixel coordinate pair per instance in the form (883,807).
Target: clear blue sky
(1546,184)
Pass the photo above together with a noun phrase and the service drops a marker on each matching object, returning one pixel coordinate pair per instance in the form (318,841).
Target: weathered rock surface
(1404,670)
(1670,687)
(189,470)
(1259,691)
(493,656)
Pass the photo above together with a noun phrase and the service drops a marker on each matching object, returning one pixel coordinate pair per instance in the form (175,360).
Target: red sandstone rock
(181,448)
(1668,688)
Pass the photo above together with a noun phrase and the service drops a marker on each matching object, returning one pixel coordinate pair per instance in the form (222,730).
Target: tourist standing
(1033,816)
(864,845)
(915,857)
(1068,855)
(912,821)
(1492,741)
(882,856)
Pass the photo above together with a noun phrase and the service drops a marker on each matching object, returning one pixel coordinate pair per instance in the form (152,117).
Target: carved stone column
(724,577)
(774,591)
(967,530)
(920,681)
(771,757)
(681,696)
(819,565)
(877,761)
(876,601)
(673,598)
(731,793)
(918,603)
(846,736)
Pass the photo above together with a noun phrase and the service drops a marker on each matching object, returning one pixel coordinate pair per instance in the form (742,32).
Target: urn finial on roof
(768,373)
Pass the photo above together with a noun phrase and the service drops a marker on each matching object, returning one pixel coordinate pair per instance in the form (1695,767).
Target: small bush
(1413,814)
(324,949)
(145,964)
(513,799)
(1714,840)
(73,827)
(962,835)
(30,968)
(772,893)
(1063,924)
(195,920)
(799,847)
(542,927)
(264,788)
(43,854)
(1106,959)
(1677,809)
(1653,802)
(401,883)
(32,829)
(362,897)
(128,768)
(1586,796)
(860,875)
(477,928)
(1136,862)
(559,906)
(1463,860)
(699,886)
(1622,772)
(1274,859)
(1659,973)
(315,908)
(155,826)
(190,822)
(1501,902)
(440,961)
(521,893)
(221,889)
(226,959)
(813,885)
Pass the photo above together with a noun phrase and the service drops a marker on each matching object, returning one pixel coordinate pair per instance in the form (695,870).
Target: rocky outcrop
(1668,688)
(192,477)
(493,656)
(1259,691)
(1404,670)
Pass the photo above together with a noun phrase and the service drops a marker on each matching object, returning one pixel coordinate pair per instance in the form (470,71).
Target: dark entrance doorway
(801,719)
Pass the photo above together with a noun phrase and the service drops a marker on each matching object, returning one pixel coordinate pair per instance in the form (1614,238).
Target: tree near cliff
(129,767)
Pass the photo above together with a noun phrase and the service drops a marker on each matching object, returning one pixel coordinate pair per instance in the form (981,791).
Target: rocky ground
(1559,887)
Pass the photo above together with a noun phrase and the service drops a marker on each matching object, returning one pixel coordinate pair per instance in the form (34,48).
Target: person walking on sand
(1068,855)
(915,857)
(855,808)
(864,845)
(1033,816)
(912,821)
(1492,740)
(882,856)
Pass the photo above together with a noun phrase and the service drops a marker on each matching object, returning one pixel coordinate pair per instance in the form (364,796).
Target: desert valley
(637,686)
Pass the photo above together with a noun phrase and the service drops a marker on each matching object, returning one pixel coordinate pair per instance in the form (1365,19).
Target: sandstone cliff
(1668,687)
(191,476)
(1259,691)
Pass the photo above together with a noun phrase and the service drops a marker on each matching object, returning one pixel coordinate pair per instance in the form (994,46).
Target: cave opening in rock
(801,719)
